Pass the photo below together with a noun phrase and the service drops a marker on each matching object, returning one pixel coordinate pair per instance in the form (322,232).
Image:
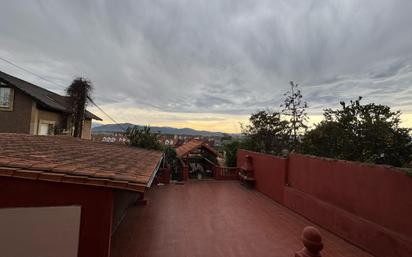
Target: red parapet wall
(369,205)
(185,172)
(269,172)
(377,193)
(164,176)
(225,173)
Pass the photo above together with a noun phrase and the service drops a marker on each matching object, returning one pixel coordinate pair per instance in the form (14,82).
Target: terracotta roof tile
(21,164)
(192,145)
(85,172)
(66,168)
(44,166)
(72,160)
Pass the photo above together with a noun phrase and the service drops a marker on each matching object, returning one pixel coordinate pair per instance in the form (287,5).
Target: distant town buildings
(165,139)
(115,138)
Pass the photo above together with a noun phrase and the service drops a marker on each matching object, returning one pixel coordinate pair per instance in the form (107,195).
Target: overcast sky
(209,64)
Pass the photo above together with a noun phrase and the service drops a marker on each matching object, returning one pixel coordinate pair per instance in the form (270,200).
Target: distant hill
(111,128)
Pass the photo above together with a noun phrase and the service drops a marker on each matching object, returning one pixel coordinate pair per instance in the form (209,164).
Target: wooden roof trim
(193,144)
(70,179)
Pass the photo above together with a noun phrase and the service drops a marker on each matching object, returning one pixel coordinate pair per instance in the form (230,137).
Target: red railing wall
(185,172)
(369,205)
(225,173)
(164,176)
(269,172)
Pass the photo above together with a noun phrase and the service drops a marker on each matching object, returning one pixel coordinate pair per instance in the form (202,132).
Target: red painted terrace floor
(214,218)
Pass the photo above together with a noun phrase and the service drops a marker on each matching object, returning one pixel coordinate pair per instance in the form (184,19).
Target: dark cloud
(217,56)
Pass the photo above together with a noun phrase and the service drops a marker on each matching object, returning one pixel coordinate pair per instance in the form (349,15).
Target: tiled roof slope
(72,160)
(43,96)
(192,145)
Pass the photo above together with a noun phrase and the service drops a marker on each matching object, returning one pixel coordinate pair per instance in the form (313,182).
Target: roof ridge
(22,80)
(42,95)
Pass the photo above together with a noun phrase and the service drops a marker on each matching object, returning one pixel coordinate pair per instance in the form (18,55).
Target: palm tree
(79,93)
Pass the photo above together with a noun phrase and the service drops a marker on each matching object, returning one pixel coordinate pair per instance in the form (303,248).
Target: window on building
(6,98)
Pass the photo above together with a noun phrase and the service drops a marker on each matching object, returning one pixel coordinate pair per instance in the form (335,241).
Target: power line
(98,107)
(26,70)
(53,82)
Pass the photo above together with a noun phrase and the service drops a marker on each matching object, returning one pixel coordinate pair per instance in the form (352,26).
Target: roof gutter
(149,184)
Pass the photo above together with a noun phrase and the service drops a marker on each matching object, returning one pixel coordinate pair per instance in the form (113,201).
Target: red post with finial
(312,241)
(185,172)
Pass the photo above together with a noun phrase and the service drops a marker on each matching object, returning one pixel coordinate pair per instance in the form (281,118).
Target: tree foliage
(356,132)
(143,138)
(170,155)
(79,93)
(295,109)
(266,133)
(170,159)
(230,150)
